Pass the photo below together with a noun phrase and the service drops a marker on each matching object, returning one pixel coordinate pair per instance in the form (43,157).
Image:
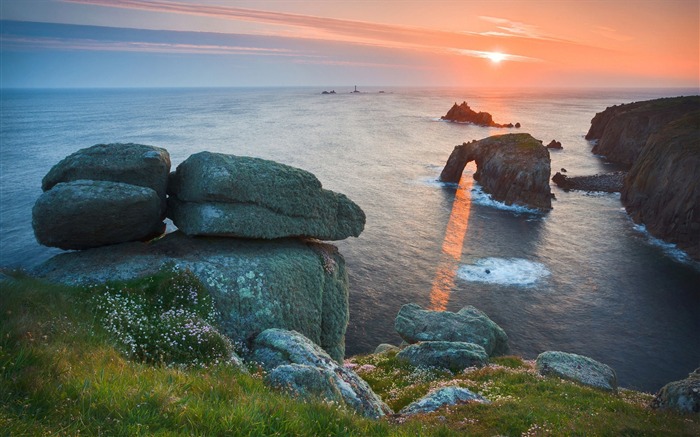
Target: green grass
(64,371)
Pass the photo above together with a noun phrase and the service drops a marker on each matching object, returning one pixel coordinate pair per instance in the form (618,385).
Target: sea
(582,278)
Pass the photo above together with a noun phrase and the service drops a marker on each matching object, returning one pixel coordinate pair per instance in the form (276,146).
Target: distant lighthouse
(355,89)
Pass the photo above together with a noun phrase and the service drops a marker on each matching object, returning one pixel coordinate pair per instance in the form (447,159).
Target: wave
(504,271)
(669,249)
(480,197)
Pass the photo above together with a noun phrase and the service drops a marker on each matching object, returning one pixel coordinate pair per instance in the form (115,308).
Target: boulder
(385,348)
(255,285)
(450,355)
(135,164)
(682,396)
(464,114)
(227,195)
(305,381)
(468,325)
(277,347)
(441,397)
(577,368)
(84,214)
(512,168)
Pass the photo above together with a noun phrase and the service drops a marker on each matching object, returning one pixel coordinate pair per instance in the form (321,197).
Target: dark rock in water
(622,131)
(577,368)
(464,114)
(278,347)
(554,144)
(469,325)
(512,168)
(83,214)
(255,284)
(517,125)
(441,397)
(662,189)
(135,164)
(225,195)
(563,170)
(606,182)
(450,355)
(682,396)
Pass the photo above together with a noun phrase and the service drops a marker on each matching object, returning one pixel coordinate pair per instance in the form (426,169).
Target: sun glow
(495,57)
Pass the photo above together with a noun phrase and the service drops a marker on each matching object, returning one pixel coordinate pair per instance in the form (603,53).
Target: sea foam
(504,271)
(669,249)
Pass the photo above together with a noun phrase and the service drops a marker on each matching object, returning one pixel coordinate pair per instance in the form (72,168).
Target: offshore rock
(84,214)
(225,195)
(135,164)
(606,182)
(662,189)
(512,168)
(682,396)
(554,144)
(255,285)
(464,114)
(468,325)
(278,347)
(577,368)
(441,397)
(623,130)
(450,355)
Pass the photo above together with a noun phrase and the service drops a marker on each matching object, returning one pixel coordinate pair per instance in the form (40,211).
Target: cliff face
(662,190)
(513,168)
(622,131)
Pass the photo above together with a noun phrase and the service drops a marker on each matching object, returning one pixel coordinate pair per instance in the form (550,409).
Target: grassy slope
(61,373)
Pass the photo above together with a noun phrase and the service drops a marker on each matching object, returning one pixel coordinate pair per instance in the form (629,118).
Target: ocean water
(581,278)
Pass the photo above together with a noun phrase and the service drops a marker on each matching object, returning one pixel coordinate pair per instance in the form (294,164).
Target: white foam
(480,197)
(504,271)
(669,249)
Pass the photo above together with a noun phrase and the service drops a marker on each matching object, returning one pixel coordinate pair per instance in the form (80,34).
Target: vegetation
(105,361)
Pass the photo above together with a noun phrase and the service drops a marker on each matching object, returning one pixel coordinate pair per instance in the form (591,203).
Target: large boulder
(135,164)
(512,168)
(682,396)
(225,195)
(577,368)
(450,355)
(277,347)
(468,325)
(255,285)
(83,214)
(441,397)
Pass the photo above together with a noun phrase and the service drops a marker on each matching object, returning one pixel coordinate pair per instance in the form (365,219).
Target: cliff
(512,168)
(662,190)
(623,130)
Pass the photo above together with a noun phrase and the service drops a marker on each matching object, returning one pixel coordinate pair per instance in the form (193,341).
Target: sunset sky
(142,43)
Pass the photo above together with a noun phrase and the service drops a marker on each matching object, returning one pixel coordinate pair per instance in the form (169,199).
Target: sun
(495,57)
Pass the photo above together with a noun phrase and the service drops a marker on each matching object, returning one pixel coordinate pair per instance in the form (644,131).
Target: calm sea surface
(581,278)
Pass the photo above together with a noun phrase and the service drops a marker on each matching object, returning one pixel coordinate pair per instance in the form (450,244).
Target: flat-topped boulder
(464,114)
(216,194)
(83,214)
(606,182)
(255,285)
(449,355)
(577,368)
(512,168)
(470,325)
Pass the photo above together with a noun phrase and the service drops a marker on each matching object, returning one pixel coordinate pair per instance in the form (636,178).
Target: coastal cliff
(659,140)
(513,168)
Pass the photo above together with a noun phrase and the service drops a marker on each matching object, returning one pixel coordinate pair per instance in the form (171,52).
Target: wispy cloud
(611,33)
(511,28)
(490,55)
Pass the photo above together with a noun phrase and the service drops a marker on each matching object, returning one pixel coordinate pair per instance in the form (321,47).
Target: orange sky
(588,43)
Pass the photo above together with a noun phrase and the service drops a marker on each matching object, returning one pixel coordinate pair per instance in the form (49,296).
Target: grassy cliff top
(73,362)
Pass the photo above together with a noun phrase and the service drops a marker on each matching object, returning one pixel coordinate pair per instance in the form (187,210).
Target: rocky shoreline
(606,182)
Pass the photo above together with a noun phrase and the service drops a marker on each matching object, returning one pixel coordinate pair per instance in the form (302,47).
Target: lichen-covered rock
(385,348)
(450,355)
(441,397)
(682,396)
(577,368)
(304,381)
(468,325)
(278,347)
(135,164)
(83,214)
(512,168)
(255,285)
(227,195)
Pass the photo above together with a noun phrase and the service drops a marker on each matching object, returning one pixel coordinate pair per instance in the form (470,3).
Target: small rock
(441,397)
(554,144)
(385,347)
(577,368)
(304,381)
(450,355)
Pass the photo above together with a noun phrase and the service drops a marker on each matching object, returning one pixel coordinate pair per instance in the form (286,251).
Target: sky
(327,43)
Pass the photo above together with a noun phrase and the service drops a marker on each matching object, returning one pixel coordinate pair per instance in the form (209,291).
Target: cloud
(490,55)
(514,28)
(611,33)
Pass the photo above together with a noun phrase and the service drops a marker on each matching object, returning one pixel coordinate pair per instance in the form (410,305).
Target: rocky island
(513,168)
(464,114)
(659,140)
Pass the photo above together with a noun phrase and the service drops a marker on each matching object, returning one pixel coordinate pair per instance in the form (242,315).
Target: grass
(64,370)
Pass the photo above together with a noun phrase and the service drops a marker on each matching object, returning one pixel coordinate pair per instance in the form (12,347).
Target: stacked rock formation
(464,114)
(105,194)
(225,195)
(513,168)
